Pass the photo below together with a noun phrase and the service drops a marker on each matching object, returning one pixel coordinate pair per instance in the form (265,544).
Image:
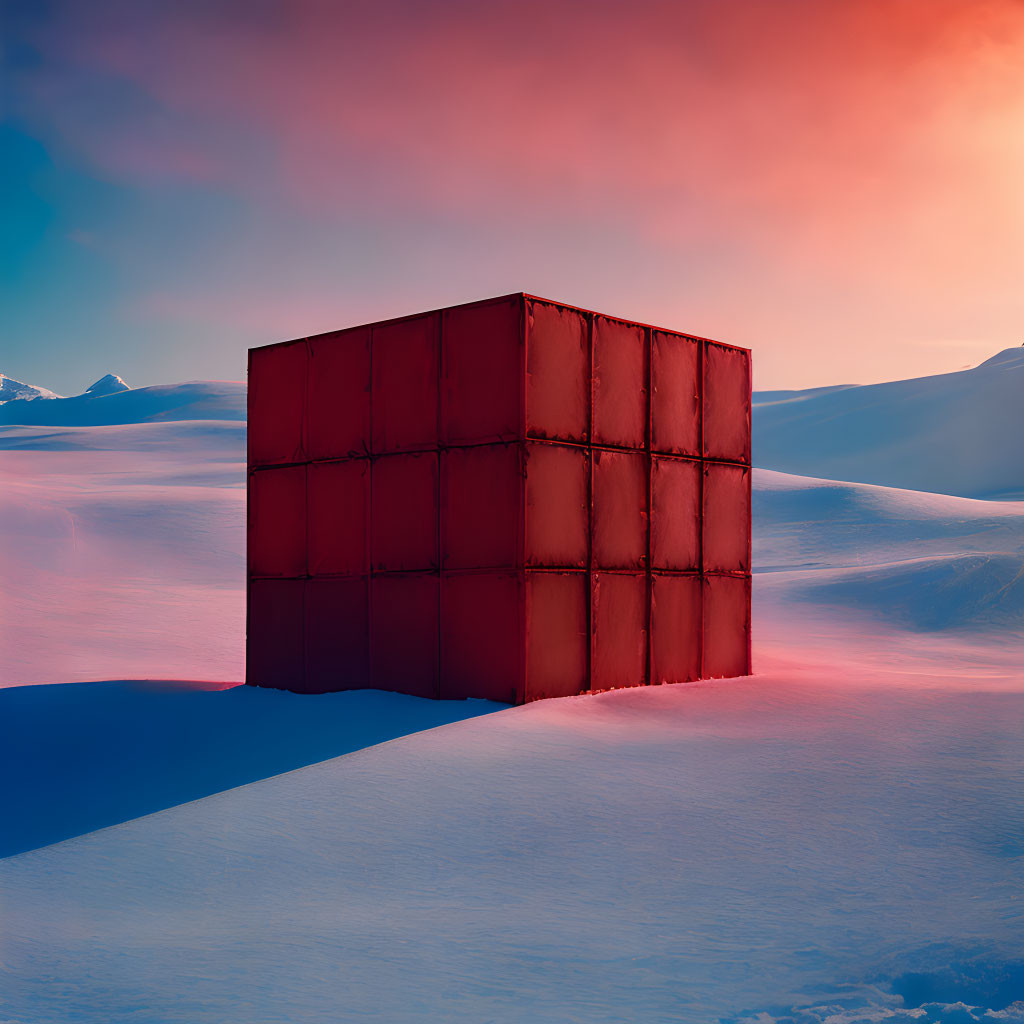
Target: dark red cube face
(405,384)
(404,502)
(277,404)
(557,373)
(618,641)
(277,522)
(556,505)
(726,626)
(338,495)
(675,513)
(339,394)
(726,403)
(676,623)
(275,629)
(726,518)
(404,623)
(482,634)
(337,635)
(482,495)
(619,523)
(482,372)
(620,385)
(556,634)
(675,394)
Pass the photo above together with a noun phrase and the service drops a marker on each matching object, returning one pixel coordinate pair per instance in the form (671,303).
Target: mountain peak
(1007,357)
(109,385)
(11,389)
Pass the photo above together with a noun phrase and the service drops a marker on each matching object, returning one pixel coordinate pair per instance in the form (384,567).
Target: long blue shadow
(76,757)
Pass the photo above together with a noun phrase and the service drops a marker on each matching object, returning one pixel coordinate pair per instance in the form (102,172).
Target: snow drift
(956,433)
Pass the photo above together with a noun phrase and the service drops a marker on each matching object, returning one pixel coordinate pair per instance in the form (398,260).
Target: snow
(194,400)
(11,389)
(839,838)
(111,384)
(955,433)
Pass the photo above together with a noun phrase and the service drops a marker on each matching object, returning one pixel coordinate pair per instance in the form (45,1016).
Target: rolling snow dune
(195,400)
(122,552)
(956,433)
(714,852)
(95,754)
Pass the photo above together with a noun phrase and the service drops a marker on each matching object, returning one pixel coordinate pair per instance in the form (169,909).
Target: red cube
(511,499)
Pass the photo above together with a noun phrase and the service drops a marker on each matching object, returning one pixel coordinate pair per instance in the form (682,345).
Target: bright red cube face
(337,635)
(511,499)
(404,623)
(618,645)
(277,404)
(556,634)
(726,518)
(726,626)
(404,400)
(338,424)
(404,503)
(726,403)
(675,394)
(676,625)
(277,522)
(619,523)
(557,372)
(482,367)
(620,384)
(675,513)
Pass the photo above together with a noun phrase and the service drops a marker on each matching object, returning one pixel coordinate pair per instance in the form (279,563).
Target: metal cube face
(511,499)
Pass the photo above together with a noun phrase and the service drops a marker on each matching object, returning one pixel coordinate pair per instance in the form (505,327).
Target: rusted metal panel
(726,403)
(620,384)
(556,634)
(545,488)
(338,501)
(675,513)
(482,372)
(482,509)
(274,649)
(618,630)
(404,628)
(675,394)
(619,526)
(338,422)
(726,646)
(404,401)
(404,507)
(277,522)
(557,372)
(556,505)
(676,627)
(277,404)
(337,635)
(482,636)
(726,518)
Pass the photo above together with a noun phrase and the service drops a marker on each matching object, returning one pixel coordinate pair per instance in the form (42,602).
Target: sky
(835,185)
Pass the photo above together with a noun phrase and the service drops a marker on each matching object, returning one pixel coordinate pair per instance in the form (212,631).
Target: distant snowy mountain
(109,385)
(111,401)
(11,389)
(955,433)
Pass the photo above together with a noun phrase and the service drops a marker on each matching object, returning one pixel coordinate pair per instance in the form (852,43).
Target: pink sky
(835,185)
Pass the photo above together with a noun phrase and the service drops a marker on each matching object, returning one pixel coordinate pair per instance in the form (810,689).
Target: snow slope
(122,552)
(956,433)
(111,404)
(819,837)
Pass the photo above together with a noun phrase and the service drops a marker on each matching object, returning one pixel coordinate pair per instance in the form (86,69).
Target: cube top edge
(525,296)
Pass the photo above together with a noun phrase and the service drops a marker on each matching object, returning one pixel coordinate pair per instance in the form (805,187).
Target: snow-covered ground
(838,839)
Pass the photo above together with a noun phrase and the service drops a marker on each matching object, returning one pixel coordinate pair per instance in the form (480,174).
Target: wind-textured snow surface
(837,840)
(955,433)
